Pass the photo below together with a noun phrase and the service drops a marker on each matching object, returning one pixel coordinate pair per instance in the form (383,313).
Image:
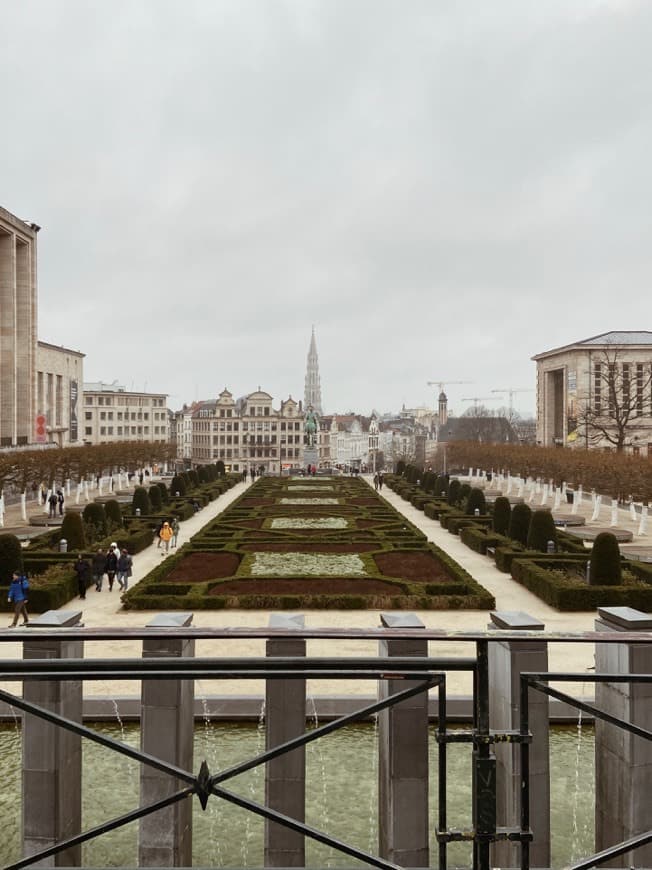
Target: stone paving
(103,609)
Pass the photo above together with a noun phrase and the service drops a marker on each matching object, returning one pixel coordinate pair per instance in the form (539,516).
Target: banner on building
(40,430)
(74,392)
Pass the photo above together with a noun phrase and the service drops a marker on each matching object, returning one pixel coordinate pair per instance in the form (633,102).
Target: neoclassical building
(248,433)
(18,330)
(584,389)
(59,395)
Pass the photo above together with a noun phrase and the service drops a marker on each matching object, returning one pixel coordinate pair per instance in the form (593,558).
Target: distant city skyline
(444,191)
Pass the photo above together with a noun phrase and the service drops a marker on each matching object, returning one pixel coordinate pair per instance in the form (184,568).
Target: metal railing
(423,673)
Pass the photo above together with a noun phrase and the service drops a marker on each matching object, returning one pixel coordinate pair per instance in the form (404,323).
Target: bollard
(550,547)
(623,762)
(477,512)
(165,837)
(403,757)
(52,756)
(63,545)
(137,512)
(285,776)
(507,659)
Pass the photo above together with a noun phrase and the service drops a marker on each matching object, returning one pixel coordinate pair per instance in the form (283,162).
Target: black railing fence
(406,679)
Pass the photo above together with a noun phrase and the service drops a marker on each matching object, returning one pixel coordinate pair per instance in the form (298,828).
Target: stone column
(285,776)
(8,429)
(507,660)
(403,757)
(166,732)
(52,762)
(623,762)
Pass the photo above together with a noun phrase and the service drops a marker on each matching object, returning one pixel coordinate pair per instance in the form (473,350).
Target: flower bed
(308,523)
(300,564)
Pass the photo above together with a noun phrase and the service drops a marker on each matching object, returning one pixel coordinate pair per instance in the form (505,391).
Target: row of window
(131,401)
(246,439)
(125,430)
(247,425)
(625,385)
(119,415)
(226,453)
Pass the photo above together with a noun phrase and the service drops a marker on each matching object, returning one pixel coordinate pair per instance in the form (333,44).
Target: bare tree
(618,406)
(403,449)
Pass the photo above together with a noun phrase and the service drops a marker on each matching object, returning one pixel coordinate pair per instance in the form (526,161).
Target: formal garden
(315,542)
(130,523)
(526,543)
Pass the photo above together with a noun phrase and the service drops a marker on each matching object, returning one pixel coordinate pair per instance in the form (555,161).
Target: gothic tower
(312,392)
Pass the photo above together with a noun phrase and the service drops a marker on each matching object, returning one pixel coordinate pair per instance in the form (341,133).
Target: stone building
(59,395)
(248,433)
(181,433)
(312,391)
(111,413)
(597,393)
(18,330)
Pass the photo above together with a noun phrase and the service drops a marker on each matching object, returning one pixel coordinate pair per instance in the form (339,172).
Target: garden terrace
(309,543)
(559,577)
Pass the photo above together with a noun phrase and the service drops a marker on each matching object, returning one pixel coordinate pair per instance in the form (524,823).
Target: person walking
(60,501)
(124,569)
(381,480)
(376,482)
(111,566)
(157,532)
(175,532)
(165,536)
(52,504)
(82,570)
(18,597)
(97,568)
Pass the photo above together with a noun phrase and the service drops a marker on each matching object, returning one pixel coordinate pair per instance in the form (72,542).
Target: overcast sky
(442,188)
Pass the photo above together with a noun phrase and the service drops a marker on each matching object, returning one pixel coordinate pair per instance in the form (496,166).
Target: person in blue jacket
(18,595)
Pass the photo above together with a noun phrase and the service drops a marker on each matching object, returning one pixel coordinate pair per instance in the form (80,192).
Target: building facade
(59,395)
(111,413)
(18,330)
(181,433)
(248,433)
(597,393)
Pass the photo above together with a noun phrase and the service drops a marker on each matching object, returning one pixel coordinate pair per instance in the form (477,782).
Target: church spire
(312,392)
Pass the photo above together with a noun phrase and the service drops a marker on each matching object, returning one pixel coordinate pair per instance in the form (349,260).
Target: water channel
(341,795)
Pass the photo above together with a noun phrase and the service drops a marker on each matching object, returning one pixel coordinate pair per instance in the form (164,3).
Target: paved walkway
(103,609)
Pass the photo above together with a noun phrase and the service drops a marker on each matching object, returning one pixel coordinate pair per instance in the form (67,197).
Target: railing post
(507,660)
(623,761)
(166,732)
(285,776)
(403,757)
(52,760)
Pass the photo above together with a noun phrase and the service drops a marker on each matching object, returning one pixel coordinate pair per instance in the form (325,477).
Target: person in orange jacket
(165,534)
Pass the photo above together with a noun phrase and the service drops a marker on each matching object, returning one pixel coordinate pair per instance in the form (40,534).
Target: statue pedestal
(310,457)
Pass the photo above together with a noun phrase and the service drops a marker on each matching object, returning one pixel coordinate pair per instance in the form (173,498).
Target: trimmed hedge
(550,581)
(605,567)
(11,558)
(542,531)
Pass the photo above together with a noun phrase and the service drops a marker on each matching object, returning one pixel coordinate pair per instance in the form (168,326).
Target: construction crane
(442,384)
(476,399)
(510,392)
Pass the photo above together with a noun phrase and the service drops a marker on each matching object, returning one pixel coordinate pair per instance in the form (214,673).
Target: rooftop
(616,338)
